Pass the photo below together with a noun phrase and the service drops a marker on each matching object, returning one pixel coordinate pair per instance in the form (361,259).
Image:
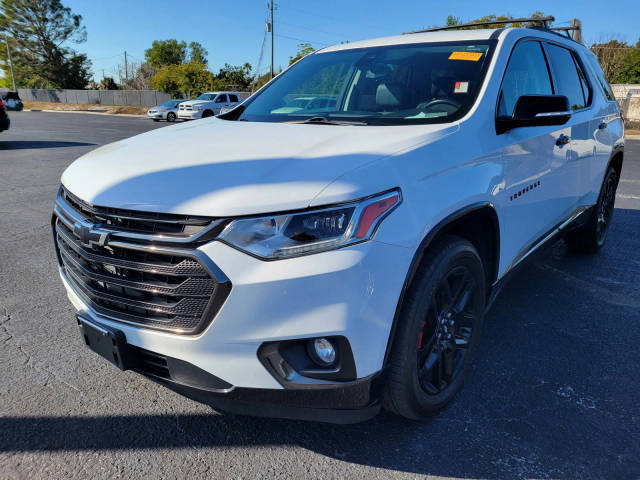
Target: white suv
(208,104)
(321,265)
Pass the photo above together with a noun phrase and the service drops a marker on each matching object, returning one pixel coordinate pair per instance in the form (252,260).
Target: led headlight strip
(290,235)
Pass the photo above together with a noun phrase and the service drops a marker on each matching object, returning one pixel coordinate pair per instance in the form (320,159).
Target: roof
(452,36)
(427,37)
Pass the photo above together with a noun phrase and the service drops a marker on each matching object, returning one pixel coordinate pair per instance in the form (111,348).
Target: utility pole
(126,67)
(271,6)
(13,77)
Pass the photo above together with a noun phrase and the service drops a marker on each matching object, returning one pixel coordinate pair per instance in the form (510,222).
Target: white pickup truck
(208,104)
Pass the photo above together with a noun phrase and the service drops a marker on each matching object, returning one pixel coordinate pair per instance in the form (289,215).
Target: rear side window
(597,70)
(565,76)
(526,74)
(233,98)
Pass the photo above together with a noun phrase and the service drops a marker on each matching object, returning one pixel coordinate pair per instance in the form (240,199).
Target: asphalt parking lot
(554,392)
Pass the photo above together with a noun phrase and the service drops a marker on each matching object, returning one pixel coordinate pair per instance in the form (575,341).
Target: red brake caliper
(421,333)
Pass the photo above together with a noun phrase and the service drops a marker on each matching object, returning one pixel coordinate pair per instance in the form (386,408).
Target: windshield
(206,96)
(396,85)
(171,103)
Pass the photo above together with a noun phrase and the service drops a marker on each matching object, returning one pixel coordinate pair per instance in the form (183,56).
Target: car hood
(216,167)
(195,102)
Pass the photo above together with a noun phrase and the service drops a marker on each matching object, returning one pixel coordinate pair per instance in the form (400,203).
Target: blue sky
(233,32)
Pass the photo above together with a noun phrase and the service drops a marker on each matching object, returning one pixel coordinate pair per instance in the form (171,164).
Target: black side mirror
(534,111)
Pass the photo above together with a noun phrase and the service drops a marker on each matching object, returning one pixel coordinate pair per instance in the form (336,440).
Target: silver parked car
(167,111)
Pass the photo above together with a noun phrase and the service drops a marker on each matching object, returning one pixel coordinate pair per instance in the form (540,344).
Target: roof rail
(542,21)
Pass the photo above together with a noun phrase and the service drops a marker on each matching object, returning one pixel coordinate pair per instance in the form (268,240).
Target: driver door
(538,194)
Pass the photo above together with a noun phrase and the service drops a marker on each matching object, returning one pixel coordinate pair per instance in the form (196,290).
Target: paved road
(555,392)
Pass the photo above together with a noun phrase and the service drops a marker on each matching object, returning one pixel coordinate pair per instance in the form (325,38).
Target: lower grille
(161,289)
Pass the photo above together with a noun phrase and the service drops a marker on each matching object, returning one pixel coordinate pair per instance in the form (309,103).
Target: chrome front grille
(158,287)
(137,221)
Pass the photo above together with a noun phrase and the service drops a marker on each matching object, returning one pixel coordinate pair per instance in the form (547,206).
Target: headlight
(198,108)
(290,235)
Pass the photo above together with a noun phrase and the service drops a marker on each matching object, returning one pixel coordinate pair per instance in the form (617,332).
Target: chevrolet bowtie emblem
(89,236)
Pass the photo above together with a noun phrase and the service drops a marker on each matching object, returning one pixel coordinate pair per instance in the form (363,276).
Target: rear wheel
(439,328)
(171,117)
(592,236)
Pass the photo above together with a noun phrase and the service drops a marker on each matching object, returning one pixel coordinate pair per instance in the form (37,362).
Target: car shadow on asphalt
(37,144)
(554,391)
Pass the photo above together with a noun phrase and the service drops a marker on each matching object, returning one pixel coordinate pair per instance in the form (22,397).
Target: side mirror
(534,111)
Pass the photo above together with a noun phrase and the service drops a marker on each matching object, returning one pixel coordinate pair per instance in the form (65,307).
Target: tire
(171,117)
(437,333)
(207,113)
(591,237)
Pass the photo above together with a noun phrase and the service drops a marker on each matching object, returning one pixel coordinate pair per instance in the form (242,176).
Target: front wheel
(439,328)
(171,117)
(591,237)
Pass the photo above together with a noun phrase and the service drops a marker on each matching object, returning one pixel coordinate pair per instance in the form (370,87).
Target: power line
(303,40)
(307,28)
(314,14)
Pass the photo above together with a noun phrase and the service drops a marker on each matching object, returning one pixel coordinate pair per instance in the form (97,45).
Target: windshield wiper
(326,121)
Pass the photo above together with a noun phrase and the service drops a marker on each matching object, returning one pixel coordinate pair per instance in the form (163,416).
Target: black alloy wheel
(171,117)
(443,342)
(592,235)
(439,327)
(605,208)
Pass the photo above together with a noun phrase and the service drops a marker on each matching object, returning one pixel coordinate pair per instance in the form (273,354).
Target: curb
(88,112)
(632,137)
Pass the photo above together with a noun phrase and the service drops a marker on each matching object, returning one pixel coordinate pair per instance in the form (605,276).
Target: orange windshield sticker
(470,56)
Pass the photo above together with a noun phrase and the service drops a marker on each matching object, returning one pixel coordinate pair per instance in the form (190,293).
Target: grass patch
(82,107)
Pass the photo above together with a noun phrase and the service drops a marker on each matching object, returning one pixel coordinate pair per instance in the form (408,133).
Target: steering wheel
(439,101)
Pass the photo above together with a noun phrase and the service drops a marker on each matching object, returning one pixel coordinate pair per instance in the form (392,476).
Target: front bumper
(189,114)
(351,292)
(156,115)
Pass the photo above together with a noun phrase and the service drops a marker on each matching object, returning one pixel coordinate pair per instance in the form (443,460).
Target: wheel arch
(466,223)
(615,161)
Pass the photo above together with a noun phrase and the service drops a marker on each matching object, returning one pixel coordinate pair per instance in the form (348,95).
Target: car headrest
(389,95)
(442,86)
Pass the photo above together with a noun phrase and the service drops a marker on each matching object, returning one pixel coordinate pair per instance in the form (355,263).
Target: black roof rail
(542,21)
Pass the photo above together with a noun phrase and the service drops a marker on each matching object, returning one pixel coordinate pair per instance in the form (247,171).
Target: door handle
(562,140)
(602,125)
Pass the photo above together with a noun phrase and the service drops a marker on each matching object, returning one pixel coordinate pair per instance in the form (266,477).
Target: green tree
(108,83)
(173,52)
(197,53)
(613,56)
(166,52)
(190,79)
(38,32)
(304,49)
(629,71)
(234,76)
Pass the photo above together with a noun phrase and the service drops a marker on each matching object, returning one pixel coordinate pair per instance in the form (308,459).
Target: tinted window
(221,99)
(597,70)
(526,74)
(233,98)
(565,76)
(586,89)
(385,85)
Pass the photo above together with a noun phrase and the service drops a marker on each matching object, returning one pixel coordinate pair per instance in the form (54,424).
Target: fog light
(325,353)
